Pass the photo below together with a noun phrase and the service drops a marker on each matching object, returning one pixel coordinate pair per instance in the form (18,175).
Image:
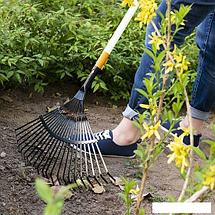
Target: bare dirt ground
(17,193)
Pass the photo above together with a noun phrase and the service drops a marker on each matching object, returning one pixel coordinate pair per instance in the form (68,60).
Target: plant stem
(198,194)
(189,171)
(152,143)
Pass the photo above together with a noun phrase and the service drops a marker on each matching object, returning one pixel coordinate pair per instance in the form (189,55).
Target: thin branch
(189,171)
(152,143)
(198,194)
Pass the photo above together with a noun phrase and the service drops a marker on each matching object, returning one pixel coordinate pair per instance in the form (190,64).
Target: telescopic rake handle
(111,44)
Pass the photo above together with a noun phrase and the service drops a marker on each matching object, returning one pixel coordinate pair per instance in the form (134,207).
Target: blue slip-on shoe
(109,148)
(177,130)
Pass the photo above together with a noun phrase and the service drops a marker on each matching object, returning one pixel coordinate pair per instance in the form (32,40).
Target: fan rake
(60,144)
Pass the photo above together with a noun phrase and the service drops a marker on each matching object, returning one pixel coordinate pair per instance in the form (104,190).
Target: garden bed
(17,191)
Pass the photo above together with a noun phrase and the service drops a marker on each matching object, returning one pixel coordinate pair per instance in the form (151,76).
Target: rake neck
(95,71)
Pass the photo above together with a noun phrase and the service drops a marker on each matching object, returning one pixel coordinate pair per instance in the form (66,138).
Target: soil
(17,193)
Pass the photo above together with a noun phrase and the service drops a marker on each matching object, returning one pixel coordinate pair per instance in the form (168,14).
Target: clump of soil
(17,191)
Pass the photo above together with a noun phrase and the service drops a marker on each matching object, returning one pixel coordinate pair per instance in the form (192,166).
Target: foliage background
(42,42)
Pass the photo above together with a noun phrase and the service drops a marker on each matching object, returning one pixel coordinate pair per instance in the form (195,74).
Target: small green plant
(54,200)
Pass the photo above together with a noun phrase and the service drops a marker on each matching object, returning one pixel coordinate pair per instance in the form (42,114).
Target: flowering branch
(189,171)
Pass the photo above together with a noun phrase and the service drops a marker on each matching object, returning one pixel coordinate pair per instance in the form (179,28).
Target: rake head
(62,147)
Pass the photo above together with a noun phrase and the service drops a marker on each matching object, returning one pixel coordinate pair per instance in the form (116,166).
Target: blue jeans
(202,16)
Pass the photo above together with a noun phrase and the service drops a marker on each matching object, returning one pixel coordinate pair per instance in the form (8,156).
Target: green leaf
(96,88)
(54,208)
(199,152)
(18,77)
(43,190)
(142,211)
(143,92)
(10,74)
(149,52)
(140,152)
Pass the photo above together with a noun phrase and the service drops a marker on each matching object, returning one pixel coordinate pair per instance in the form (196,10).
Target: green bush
(46,41)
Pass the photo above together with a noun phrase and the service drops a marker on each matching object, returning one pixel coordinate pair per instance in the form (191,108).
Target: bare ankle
(126,133)
(197,124)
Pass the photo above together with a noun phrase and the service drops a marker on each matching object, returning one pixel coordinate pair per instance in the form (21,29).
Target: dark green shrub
(46,41)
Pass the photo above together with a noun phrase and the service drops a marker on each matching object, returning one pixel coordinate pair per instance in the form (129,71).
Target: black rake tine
(68,150)
(38,127)
(62,145)
(37,119)
(70,163)
(54,149)
(65,166)
(50,145)
(34,152)
(30,124)
(44,131)
(58,171)
(33,136)
(48,142)
(44,141)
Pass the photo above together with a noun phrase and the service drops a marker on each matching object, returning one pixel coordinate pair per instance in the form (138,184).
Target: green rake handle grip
(110,45)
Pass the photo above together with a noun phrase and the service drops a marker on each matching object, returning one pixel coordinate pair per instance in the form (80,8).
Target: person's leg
(199,11)
(203,95)
(126,133)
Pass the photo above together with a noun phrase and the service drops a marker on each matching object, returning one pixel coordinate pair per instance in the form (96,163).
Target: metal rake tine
(40,137)
(91,160)
(48,144)
(35,132)
(60,165)
(76,151)
(33,136)
(65,127)
(70,163)
(80,148)
(29,125)
(94,153)
(23,126)
(83,134)
(66,162)
(102,159)
(72,145)
(38,127)
(52,151)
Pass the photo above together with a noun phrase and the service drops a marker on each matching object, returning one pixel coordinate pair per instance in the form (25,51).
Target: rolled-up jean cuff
(198,114)
(129,113)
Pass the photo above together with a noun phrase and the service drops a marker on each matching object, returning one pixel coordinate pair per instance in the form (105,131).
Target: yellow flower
(148,8)
(127,2)
(209,178)
(156,40)
(181,63)
(169,66)
(145,106)
(135,191)
(152,107)
(180,153)
(151,130)
(186,131)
